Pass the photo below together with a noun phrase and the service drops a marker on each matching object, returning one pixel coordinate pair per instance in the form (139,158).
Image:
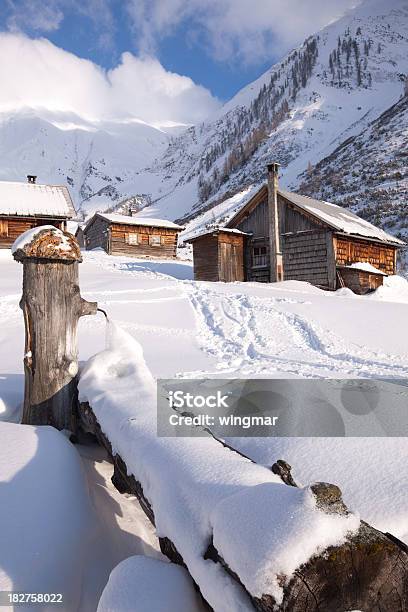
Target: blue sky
(221,45)
(104,40)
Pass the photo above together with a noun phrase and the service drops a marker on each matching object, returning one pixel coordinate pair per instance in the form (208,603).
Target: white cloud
(37,74)
(35,15)
(249,30)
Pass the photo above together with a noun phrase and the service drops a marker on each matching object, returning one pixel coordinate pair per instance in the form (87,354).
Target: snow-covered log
(52,306)
(248,540)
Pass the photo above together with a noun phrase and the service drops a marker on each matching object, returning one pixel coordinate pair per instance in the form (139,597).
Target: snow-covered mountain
(99,162)
(369,172)
(327,91)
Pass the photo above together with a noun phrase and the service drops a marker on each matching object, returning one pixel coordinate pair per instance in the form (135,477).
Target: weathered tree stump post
(52,306)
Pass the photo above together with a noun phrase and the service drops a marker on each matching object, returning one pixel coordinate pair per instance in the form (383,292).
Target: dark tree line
(348,61)
(245,129)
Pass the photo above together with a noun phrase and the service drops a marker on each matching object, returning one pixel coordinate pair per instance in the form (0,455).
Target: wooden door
(231,262)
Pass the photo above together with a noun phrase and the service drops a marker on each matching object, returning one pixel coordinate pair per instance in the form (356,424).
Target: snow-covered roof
(339,218)
(143,221)
(35,200)
(217,230)
(366,267)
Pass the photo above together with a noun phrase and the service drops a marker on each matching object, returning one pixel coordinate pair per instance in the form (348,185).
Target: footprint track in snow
(253,335)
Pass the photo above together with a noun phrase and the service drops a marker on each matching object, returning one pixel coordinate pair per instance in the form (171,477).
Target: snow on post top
(46,242)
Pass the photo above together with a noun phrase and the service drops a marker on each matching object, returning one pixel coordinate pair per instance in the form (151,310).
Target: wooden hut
(218,255)
(294,237)
(24,206)
(135,236)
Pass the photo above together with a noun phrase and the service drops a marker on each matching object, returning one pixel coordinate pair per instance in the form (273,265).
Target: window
(154,240)
(3,228)
(259,256)
(133,238)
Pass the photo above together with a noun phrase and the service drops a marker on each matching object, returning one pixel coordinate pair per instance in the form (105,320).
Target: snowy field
(190,329)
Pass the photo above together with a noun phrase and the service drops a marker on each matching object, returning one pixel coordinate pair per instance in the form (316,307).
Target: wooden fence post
(52,306)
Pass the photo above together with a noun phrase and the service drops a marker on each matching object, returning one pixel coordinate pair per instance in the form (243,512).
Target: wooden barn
(27,205)
(135,236)
(287,236)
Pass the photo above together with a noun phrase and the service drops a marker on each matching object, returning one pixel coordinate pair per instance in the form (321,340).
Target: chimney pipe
(31,178)
(275,254)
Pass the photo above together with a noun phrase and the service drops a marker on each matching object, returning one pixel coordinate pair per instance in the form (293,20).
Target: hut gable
(338,218)
(135,236)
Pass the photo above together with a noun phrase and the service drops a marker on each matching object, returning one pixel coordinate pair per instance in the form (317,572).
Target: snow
(371,472)
(141,584)
(366,267)
(29,236)
(221,230)
(285,545)
(35,200)
(46,520)
(218,215)
(122,528)
(321,118)
(189,329)
(98,161)
(72,227)
(393,289)
(189,482)
(139,220)
(339,218)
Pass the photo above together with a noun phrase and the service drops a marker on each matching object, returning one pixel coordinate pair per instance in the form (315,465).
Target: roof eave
(400,244)
(37,216)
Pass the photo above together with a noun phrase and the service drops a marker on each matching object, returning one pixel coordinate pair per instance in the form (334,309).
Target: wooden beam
(368,572)
(52,305)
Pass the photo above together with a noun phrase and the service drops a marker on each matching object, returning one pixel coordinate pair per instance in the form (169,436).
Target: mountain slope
(99,163)
(329,89)
(369,172)
(322,94)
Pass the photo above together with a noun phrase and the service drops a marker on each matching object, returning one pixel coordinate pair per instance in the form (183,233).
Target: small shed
(24,206)
(294,237)
(132,235)
(219,255)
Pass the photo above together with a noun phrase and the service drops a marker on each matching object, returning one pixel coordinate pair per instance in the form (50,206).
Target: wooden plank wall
(305,257)
(96,234)
(12,227)
(351,250)
(360,281)
(292,220)
(119,241)
(205,254)
(257,222)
